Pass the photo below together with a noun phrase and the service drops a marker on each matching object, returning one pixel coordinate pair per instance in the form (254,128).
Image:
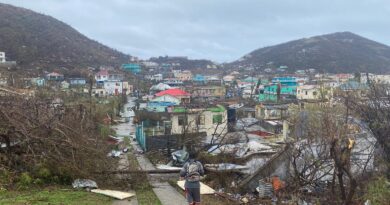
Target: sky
(219,30)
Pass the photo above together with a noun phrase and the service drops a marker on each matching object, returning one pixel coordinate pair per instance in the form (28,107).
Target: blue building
(286,81)
(288,89)
(198,78)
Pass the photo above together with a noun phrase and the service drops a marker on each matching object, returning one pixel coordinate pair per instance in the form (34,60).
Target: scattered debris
(114,194)
(245,200)
(241,150)
(245,122)
(114,153)
(237,149)
(225,167)
(180,157)
(264,189)
(84,183)
(204,189)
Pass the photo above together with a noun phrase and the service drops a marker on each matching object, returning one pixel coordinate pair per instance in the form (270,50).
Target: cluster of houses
(260,88)
(110,82)
(247,116)
(104,83)
(240,114)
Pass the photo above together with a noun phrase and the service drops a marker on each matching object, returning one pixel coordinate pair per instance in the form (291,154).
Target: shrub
(25,180)
(38,181)
(44,174)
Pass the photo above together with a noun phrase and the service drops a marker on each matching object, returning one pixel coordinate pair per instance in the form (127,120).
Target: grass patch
(143,190)
(52,196)
(146,195)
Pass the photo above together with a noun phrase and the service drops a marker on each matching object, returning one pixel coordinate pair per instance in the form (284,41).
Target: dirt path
(167,194)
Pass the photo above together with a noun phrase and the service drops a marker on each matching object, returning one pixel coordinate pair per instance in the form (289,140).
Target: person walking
(191,172)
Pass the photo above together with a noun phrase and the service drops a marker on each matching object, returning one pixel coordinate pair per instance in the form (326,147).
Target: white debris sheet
(167,167)
(204,189)
(225,167)
(114,194)
(84,183)
(242,149)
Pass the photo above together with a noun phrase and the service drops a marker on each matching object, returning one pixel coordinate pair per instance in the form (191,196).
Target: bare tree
(36,132)
(375,110)
(323,150)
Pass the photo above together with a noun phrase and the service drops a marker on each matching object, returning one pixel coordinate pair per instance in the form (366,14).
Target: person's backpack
(193,174)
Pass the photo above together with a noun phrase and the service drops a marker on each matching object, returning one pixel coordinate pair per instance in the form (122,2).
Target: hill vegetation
(335,53)
(37,40)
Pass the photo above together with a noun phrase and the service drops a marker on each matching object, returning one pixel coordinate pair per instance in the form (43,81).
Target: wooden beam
(155,171)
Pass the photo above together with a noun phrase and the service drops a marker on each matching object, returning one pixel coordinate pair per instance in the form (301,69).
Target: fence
(140,136)
(148,142)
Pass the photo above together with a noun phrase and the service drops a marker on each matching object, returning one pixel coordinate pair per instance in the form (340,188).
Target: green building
(269,93)
(132,67)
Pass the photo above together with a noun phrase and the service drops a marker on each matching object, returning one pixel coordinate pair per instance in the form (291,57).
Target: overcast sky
(220,30)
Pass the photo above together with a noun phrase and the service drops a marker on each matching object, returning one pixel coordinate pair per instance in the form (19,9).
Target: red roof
(173,92)
(102,72)
(54,74)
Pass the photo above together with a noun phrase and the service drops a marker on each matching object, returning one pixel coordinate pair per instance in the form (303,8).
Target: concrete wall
(113,87)
(193,124)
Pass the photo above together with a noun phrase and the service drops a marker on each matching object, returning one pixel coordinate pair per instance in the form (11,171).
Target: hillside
(36,40)
(334,53)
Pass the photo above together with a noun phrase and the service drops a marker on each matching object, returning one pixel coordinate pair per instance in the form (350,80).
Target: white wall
(2,57)
(308,94)
(207,127)
(167,98)
(112,86)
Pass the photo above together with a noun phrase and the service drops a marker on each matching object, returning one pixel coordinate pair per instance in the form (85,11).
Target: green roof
(179,109)
(218,108)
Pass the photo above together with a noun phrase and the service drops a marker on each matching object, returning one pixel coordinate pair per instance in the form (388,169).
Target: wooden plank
(204,189)
(114,194)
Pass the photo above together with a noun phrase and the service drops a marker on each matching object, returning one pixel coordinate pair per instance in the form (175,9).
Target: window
(305,92)
(315,93)
(217,119)
(201,120)
(262,112)
(182,120)
(273,113)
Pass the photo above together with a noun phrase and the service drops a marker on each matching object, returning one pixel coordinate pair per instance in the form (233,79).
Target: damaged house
(178,125)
